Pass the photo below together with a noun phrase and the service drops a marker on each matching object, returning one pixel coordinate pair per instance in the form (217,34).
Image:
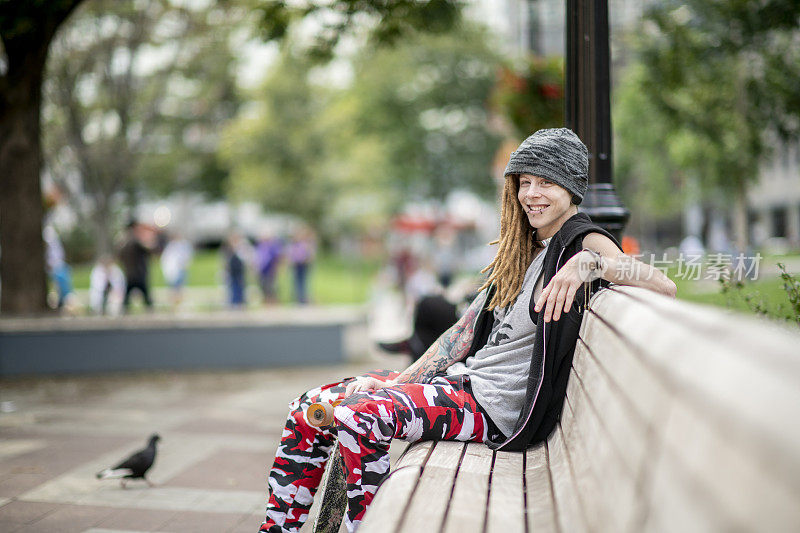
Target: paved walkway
(219,431)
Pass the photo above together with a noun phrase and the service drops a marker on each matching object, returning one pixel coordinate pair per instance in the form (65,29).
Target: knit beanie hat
(557,155)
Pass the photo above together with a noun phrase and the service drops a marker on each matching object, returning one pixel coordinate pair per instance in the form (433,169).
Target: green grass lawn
(767,290)
(333,279)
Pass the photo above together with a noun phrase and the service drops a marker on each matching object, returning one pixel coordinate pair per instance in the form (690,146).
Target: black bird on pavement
(135,466)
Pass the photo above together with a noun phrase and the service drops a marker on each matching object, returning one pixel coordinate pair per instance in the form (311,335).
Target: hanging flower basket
(531,96)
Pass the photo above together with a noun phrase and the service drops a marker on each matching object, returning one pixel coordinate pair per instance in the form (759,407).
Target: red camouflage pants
(366,423)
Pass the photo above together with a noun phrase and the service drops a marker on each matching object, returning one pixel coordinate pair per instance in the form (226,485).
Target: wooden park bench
(678,418)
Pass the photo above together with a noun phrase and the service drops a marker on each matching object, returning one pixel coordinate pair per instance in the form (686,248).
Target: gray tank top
(499,371)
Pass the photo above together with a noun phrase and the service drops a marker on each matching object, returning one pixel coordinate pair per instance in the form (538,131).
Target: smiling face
(546,204)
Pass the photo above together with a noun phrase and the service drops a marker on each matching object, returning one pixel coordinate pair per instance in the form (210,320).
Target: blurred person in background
(427,281)
(300,252)
(134,256)
(236,255)
(57,266)
(422,281)
(106,287)
(445,254)
(691,246)
(404,264)
(432,312)
(175,261)
(433,315)
(268,257)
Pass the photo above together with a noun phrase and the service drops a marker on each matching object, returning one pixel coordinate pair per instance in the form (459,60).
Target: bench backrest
(678,418)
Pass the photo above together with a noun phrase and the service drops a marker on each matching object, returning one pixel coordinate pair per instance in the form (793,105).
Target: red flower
(550,91)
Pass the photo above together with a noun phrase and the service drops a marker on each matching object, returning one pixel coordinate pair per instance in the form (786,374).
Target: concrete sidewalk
(219,433)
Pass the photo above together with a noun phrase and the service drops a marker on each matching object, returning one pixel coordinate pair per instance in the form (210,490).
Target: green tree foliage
(134,97)
(388,21)
(646,175)
(276,147)
(426,104)
(412,124)
(714,82)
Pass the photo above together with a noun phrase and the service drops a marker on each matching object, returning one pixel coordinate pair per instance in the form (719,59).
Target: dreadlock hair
(517,243)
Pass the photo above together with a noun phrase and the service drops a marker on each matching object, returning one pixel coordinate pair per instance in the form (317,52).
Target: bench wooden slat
(629,432)
(736,331)
(646,392)
(674,334)
(429,502)
(606,483)
(387,509)
(578,424)
(415,455)
(468,504)
(568,508)
(506,496)
(680,507)
(540,505)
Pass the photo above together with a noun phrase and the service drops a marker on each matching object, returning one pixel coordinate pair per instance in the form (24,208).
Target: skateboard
(333,493)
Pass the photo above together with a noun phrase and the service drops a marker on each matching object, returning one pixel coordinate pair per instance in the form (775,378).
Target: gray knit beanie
(557,155)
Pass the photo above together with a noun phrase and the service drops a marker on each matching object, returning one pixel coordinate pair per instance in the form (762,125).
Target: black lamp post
(588,107)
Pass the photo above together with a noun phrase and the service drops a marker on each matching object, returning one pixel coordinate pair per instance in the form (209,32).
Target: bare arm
(626,270)
(452,346)
(623,269)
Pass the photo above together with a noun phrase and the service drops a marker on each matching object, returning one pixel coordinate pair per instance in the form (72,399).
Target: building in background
(774,201)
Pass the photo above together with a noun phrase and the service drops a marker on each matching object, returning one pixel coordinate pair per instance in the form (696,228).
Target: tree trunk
(27,30)
(24,289)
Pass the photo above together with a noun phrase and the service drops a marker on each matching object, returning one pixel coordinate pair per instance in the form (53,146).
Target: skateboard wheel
(320,414)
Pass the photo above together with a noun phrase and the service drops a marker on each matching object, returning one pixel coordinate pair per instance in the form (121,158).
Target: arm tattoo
(452,346)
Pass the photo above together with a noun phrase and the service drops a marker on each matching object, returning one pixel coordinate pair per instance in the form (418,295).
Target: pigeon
(135,466)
